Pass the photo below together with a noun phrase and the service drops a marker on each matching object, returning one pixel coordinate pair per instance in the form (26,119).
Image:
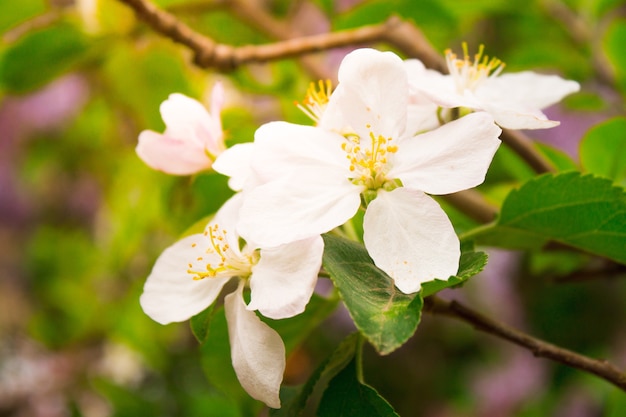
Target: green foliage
(470,264)
(39,57)
(614,46)
(560,160)
(584,212)
(84,219)
(200,324)
(603,150)
(295,330)
(347,396)
(294,400)
(384,315)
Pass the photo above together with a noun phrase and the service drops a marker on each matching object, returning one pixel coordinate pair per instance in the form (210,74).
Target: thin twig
(168,25)
(399,33)
(208,53)
(539,348)
(522,145)
(473,204)
(257,17)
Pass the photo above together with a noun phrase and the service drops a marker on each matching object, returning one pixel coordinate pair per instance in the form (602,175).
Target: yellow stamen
(229,262)
(468,74)
(369,164)
(316,99)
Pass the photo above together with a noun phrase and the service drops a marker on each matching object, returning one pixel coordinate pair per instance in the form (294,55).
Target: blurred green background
(82,219)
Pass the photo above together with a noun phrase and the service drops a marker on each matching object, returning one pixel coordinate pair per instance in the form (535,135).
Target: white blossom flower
(234,162)
(313,179)
(190,274)
(192,140)
(514,100)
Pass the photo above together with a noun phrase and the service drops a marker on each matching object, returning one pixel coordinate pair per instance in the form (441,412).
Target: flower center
(316,99)
(469,74)
(223,260)
(368,161)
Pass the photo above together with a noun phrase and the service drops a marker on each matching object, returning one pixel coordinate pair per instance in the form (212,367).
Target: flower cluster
(390,135)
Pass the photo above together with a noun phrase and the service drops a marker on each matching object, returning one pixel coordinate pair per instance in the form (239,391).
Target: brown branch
(256,16)
(401,34)
(523,146)
(38,22)
(198,7)
(539,348)
(169,26)
(249,12)
(473,204)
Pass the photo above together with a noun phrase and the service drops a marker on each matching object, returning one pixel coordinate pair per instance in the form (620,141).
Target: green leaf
(382,313)
(346,396)
(470,264)
(603,150)
(581,211)
(295,329)
(200,324)
(559,159)
(41,56)
(294,400)
(614,42)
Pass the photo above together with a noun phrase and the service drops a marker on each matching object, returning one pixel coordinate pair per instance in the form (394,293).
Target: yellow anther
(226,261)
(468,74)
(316,99)
(370,163)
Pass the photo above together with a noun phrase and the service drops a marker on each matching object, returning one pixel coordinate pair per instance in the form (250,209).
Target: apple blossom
(514,100)
(189,275)
(313,179)
(192,140)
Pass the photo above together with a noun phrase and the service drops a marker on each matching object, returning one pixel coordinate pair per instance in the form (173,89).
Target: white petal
(515,100)
(451,158)
(441,89)
(227,218)
(257,351)
(186,119)
(170,293)
(332,118)
(421,117)
(235,163)
(214,142)
(171,155)
(374,93)
(411,238)
(284,279)
(282,148)
(287,210)
(526,90)
(520,118)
